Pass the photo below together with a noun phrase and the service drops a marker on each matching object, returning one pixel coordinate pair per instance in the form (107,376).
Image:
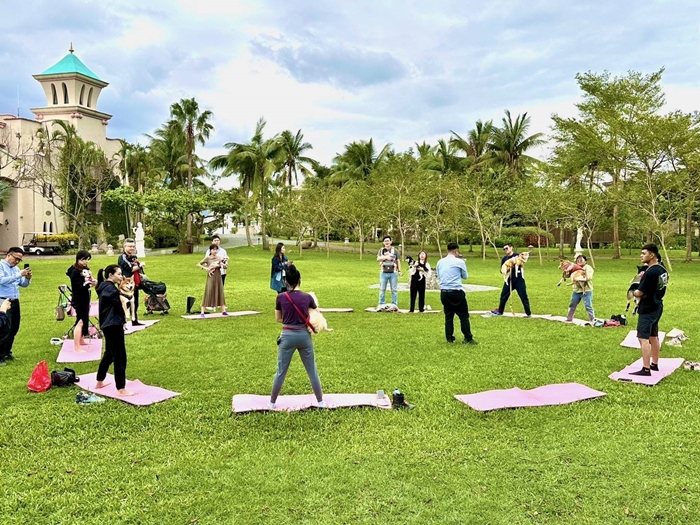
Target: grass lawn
(630,457)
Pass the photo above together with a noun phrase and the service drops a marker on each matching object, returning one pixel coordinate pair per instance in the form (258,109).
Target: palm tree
(196,129)
(509,144)
(477,142)
(359,160)
(293,147)
(255,163)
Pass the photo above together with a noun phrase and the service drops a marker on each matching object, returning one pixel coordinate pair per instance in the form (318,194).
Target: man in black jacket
(130,265)
(515,282)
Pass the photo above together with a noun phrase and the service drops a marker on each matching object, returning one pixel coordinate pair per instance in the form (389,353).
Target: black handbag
(65,378)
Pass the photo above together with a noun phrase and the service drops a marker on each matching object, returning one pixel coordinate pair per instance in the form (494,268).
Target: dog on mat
(316,318)
(634,284)
(517,262)
(126,294)
(573,271)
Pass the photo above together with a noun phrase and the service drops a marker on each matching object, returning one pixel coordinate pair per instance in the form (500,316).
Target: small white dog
(316,318)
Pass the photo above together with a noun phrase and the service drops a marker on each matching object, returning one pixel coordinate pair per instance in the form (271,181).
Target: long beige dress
(214,289)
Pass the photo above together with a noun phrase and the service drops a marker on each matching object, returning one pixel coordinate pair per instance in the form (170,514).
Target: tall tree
(196,128)
(292,149)
(359,160)
(510,143)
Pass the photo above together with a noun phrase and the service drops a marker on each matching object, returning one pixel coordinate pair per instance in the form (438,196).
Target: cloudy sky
(398,71)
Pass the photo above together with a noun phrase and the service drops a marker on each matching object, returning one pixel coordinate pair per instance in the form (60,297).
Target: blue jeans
(393,279)
(587,302)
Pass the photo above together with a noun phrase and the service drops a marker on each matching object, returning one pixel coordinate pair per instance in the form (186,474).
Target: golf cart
(37,243)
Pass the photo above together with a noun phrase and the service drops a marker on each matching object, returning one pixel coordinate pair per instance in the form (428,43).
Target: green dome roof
(70,64)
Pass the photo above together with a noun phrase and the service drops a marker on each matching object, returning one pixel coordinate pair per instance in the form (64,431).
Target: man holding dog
(451,269)
(515,282)
(130,265)
(390,264)
(651,292)
(11,278)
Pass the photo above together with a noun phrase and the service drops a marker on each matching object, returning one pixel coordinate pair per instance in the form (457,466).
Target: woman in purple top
(295,336)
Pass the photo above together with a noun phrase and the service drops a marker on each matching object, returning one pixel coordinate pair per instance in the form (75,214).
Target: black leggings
(82,313)
(418,288)
(115,352)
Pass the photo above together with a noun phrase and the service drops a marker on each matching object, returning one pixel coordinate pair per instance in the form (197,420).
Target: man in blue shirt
(11,278)
(450,272)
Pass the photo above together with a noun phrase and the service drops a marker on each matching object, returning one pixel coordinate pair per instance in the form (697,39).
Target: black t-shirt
(515,276)
(81,293)
(653,284)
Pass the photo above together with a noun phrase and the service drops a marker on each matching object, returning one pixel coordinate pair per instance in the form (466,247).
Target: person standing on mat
(132,268)
(280,263)
(651,292)
(390,268)
(451,269)
(222,255)
(214,288)
(419,272)
(112,323)
(292,310)
(11,278)
(80,297)
(582,290)
(515,282)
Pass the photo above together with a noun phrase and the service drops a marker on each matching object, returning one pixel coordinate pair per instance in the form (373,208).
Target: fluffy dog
(126,294)
(316,318)
(573,271)
(87,276)
(634,284)
(517,262)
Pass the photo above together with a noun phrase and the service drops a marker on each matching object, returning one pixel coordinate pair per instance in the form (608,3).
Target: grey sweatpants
(292,340)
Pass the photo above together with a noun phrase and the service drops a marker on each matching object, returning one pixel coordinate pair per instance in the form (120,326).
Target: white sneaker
(322,404)
(270,405)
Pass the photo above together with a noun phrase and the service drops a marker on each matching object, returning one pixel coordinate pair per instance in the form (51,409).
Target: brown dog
(573,271)
(517,262)
(126,294)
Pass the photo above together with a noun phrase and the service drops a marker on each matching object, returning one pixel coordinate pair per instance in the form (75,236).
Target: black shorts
(648,324)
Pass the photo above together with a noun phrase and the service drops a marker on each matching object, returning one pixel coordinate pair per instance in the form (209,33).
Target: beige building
(72,92)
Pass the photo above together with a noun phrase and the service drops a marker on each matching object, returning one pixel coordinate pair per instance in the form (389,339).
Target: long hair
(426,256)
(82,254)
(278,250)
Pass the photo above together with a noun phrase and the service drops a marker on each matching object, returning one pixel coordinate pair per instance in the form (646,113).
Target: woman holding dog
(112,321)
(292,310)
(582,290)
(419,271)
(214,289)
(80,298)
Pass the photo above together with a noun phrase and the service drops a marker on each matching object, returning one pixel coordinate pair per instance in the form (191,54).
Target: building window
(82,92)
(44,230)
(54,95)
(51,227)
(89,104)
(65,93)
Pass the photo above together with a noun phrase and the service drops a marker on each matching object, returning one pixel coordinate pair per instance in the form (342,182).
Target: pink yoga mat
(335,310)
(402,311)
(557,394)
(252,403)
(667,365)
(144,394)
(631,340)
(130,329)
(94,310)
(219,315)
(93,352)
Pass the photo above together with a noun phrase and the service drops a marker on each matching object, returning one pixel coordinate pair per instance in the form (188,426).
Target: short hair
(15,249)
(652,248)
(215,236)
(452,246)
(213,246)
(506,245)
(386,237)
(82,254)
(582,257)
(129,239)
(293,276)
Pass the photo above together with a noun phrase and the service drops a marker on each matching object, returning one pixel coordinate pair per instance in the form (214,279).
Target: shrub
(162,235)
(526,235)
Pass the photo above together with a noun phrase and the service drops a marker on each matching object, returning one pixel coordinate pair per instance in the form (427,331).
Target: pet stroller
(65,307)
(156,299)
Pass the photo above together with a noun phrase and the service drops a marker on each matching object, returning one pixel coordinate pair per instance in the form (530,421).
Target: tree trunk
(189,189)
(362,241)
(561,242)
(246,222)
(667,260)
(616,232)
(689,235)
(263,209)
(328,244)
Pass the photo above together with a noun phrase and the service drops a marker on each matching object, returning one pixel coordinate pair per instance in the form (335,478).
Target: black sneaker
(2,362)
(469,342)
(654,367)
(450,339)
(9,358)
(642,372)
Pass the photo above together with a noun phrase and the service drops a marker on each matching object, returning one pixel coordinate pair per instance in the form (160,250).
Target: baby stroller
(156,299)
(65,307)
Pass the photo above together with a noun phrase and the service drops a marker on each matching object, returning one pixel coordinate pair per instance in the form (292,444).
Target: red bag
(40,381)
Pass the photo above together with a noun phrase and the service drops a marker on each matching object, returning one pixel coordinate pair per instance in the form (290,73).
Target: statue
(139,240)
(579,236)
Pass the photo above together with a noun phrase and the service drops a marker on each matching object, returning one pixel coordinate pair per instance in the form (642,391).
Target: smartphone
(26,265)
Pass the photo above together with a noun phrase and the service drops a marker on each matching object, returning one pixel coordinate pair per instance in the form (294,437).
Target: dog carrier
(156,299)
